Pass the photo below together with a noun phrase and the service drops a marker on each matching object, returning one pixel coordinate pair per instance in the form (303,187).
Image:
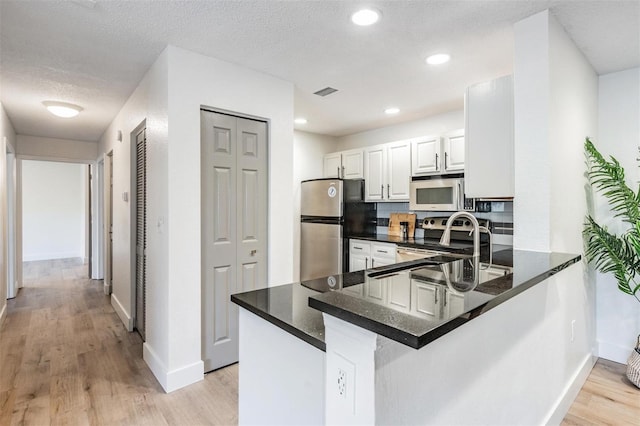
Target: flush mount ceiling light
(300,120)
(62,109)
(365,17)
(392,110)
(438,59)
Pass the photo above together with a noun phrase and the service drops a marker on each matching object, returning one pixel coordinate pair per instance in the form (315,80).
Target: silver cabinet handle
(436,296)
(382,192)
(388,191)
(372,261)
(253,252)
(445,160)
(342,172)
(382,251)
(338,171)
(366,263)
(436,161)
(357,248)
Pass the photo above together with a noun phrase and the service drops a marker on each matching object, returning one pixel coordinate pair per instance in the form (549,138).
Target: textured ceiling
(94,53)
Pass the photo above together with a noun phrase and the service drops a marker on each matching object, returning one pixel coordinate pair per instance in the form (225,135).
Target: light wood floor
(65,358)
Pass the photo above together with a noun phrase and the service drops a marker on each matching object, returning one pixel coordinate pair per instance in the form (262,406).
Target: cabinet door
(376,290)
(454,151)
(332,165)
(426,156)
(454,304)
(425,300)
(399,171)
(489,168)
(399,293)
(382,254)
(358,262)
(374,173)
(353,164)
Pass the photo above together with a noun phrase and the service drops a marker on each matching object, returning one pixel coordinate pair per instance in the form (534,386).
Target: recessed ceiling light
(365,17)
(393,110)
(62,109)
(438,59)
(300,120)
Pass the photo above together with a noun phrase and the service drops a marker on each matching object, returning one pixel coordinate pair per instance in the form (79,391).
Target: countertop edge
(419,341)
(280,324)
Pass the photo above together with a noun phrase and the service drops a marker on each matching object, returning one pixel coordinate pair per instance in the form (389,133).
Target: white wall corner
(124,316)
(614,351)
(175,379)
(349,373)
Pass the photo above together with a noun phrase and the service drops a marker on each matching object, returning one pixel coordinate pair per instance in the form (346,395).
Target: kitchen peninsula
(431,341)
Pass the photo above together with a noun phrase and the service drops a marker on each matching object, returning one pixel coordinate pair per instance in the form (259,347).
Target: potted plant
(618,254)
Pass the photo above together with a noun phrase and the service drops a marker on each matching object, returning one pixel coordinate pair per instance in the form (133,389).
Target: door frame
(108,222)
(133,201)
(97,220)
(267,121)
(12,211)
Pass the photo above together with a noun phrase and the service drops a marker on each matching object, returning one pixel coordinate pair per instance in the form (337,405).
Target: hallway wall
(53,209)
(7,139)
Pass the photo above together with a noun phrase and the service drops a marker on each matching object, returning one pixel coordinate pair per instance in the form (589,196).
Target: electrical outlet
(342,383)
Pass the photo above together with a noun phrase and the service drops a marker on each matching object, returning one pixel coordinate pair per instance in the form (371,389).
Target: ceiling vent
(326,91)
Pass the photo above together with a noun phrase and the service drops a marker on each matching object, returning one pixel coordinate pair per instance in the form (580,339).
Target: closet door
(234,226)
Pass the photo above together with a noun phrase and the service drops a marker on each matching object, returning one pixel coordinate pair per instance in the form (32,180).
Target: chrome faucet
(446,235)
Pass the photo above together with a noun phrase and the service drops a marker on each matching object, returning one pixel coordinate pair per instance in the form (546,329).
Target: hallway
(65,357)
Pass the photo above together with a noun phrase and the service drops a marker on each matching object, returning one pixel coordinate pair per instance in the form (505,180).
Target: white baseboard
(106,287)
(561,408)
(172,380)
(614,352)
(51,256)
(126,319)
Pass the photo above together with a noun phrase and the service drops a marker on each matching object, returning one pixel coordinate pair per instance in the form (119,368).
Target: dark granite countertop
(413,306)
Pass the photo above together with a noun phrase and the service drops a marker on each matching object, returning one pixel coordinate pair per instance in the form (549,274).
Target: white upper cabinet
(332,166)
(454,151)
(398,171)
(344,164)
(426,155)
(353,164)
(387,171)
(489,168)
(435,155)
(375,170)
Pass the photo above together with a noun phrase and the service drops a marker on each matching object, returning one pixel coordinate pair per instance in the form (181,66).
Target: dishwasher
(407,254)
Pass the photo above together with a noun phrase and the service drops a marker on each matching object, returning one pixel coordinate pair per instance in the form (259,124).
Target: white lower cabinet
(425,299)
(370,254)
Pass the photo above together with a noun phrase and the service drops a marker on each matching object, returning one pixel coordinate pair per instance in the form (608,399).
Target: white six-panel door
(234,226)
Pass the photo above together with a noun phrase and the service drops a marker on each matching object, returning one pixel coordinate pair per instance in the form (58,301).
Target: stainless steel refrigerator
(332,210)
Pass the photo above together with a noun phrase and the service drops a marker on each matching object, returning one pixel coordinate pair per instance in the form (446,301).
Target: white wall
(7,142)
(39,148)
(147,102)
(618,314)
(432,125)
(53,210)
(169,98)
(556,97)
(196,80)
(308,152)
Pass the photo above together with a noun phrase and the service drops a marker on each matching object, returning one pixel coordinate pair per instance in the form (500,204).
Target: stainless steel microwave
(439,195)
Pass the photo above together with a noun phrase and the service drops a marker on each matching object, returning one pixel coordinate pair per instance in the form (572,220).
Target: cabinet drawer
(359,247)
(383,250)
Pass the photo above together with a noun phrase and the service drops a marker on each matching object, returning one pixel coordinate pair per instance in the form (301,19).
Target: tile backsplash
(502,220)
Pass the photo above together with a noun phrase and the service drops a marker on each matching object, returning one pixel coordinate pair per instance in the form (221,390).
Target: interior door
(234,226)
(141,232)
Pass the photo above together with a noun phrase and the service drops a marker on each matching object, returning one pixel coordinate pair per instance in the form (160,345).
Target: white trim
(126,319)
(53,255)
(54,159)
(175,379)
(614,352)
(3,313)
(571,391)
